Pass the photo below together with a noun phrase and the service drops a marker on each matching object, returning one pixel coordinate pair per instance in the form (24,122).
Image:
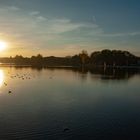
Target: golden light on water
(1,78)
(3,45)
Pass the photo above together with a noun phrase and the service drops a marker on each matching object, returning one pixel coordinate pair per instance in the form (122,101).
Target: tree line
(98,58)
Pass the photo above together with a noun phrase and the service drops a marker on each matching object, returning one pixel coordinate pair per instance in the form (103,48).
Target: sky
(66,27)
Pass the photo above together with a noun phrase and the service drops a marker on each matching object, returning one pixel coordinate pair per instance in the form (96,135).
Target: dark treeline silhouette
(104,58)
(114,58)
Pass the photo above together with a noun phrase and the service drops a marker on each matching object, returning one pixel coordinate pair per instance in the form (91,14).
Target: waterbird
(5,84)
(66,129)
(50,77)
(9,91)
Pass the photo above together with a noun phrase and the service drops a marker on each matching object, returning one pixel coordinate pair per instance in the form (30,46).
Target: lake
(67,104)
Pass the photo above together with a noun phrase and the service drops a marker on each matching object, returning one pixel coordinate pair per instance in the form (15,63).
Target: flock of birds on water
(22,77)
(18,76)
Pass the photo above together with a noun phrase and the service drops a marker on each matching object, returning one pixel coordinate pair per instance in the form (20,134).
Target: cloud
(122,34)
(32,25)
(41,18)
(58,26)
(34,13)
(94,19)
(13,8)
(31,29)
(9,8)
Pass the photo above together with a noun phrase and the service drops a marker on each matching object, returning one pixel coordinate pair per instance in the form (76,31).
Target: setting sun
(3,45)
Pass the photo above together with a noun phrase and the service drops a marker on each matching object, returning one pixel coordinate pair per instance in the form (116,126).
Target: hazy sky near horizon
(65,27)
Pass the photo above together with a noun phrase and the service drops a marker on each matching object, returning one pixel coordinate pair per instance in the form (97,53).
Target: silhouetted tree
(84,57)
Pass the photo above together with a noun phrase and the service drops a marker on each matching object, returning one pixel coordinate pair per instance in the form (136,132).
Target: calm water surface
(58,104)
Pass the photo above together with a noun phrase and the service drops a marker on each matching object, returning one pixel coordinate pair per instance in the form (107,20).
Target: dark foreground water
(64,104)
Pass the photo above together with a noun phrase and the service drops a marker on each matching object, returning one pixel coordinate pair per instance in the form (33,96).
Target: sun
(3,45)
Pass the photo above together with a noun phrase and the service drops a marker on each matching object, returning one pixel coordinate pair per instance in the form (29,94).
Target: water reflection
(1,78)
(104,74)
(101,73)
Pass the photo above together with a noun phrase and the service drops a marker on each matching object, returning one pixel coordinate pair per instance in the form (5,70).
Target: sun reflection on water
(1,78)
